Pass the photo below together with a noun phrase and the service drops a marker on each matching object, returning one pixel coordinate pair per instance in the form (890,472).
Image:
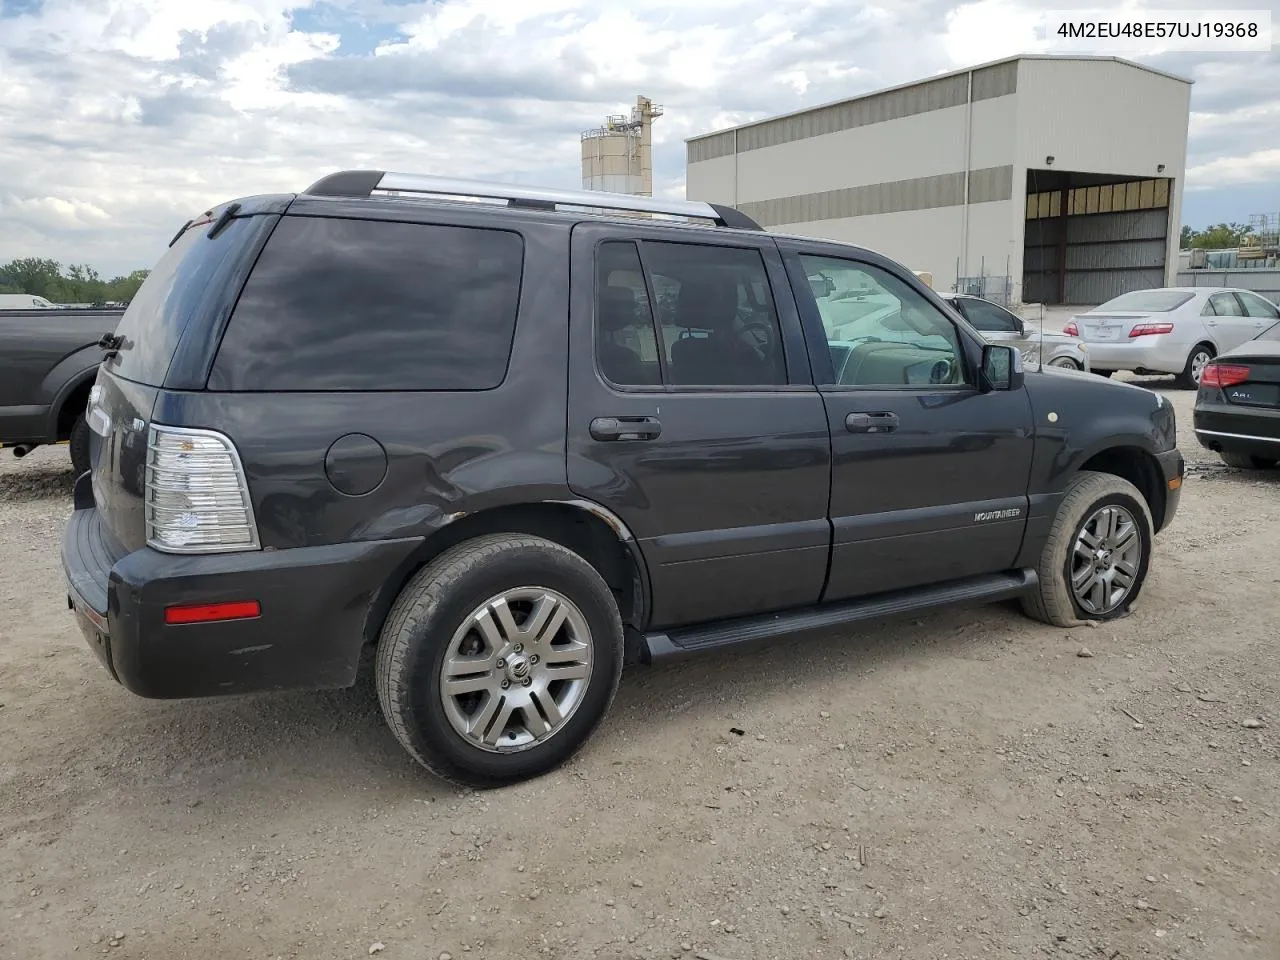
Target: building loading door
(1086,244)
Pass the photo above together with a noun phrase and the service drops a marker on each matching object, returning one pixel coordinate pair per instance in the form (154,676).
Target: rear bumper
(1155,354)
(1172,470)
(1251,431)
(316,605)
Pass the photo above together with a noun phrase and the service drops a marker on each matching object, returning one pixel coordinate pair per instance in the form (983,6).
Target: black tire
(1065,363)
(1054,602)
(434,605)
(79,445)
(1244,461)
(1186,379)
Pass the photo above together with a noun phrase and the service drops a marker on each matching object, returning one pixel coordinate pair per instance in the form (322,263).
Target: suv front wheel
(1095,560)
(499,659)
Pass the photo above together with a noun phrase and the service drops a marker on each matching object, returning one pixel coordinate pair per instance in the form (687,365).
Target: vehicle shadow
(300,752)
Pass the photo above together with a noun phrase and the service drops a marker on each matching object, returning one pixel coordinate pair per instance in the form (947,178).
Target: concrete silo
(618,157)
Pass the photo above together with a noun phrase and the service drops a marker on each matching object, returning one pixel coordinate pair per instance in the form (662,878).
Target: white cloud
(1260,166)
(124,117)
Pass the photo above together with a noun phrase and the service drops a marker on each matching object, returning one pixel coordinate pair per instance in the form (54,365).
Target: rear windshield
(191,279)
(344,304)
(1147,301)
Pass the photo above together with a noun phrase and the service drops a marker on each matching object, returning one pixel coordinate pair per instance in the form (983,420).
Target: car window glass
(1255,306)
(987,317)
(340,304)
(626,345)
(1225,305)
(716,315)
(882,332)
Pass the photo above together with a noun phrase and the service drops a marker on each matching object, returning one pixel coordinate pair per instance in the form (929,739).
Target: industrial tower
(618,157)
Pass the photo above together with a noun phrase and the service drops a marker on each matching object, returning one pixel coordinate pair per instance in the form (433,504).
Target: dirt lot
(966,785)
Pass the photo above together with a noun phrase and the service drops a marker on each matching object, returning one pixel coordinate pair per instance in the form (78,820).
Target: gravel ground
(962,785)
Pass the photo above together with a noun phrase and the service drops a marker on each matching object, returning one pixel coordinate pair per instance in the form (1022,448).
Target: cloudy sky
(119,119)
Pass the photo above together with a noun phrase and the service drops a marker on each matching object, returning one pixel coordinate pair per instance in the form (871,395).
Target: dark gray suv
(514,438)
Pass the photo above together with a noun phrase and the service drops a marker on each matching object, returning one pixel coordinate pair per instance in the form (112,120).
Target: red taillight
(1146,329)
(1223,375)
(1071,330)
(211,612)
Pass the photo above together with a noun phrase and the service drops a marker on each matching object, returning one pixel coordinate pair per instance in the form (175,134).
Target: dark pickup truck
(48,359)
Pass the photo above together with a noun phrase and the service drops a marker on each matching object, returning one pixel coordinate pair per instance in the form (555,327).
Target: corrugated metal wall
(1106,254)
(997,80)
(1263,282)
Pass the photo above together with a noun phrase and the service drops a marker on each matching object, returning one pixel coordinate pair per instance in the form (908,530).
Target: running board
(989,588)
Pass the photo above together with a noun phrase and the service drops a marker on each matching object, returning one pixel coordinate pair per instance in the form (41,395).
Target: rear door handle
(882,421)
(625,428)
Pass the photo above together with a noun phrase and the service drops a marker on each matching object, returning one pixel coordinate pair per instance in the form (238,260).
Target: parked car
(1171,330)
(48,359)
(515,443)
(1004,326)
(24,301)
(1237,411)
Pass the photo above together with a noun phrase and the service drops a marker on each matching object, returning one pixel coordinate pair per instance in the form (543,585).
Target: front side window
(1255,306)
(881,332)
(710,321)
(987,317)
(339,304)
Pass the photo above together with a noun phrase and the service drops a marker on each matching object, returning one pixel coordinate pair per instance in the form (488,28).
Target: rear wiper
(223,220)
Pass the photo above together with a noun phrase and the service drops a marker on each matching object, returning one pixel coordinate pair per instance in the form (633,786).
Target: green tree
(34,275)
(1221,236)
(80,283)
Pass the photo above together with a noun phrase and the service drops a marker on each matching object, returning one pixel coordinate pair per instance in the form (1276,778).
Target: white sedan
(1174,330)
(999,325)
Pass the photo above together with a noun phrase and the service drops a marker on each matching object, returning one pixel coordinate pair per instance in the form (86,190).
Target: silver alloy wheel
(517,669)
(1106,559)
(1065,362)
(1199,360)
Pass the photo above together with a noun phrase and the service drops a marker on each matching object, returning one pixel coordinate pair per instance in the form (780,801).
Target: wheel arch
(71,395)
(1137,465)
(593,532)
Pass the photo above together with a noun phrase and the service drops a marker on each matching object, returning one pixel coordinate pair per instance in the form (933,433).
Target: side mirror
(1022,326)
(1001,368)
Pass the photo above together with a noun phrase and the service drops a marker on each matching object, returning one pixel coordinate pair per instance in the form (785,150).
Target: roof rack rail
(367,183)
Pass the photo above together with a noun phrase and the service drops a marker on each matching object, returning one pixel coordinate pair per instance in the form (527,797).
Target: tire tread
(425,591)
(1051,601)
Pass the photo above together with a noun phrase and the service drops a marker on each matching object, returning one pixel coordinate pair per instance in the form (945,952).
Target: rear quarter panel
(447,453)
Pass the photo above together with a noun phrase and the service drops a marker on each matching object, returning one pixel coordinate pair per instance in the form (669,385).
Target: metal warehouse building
(1033,179)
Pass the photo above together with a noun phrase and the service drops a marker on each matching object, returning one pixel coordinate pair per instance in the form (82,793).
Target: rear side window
(337,304)
(194,279)
(712,307)
(987,317)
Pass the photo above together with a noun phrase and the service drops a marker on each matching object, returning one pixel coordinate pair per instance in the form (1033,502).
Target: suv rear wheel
(1095,560)
(499,659)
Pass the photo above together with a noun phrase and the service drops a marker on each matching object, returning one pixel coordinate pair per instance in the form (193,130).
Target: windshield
(1147,301)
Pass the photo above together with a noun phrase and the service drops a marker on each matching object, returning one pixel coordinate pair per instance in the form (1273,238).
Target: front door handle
(883,421)
(625,428)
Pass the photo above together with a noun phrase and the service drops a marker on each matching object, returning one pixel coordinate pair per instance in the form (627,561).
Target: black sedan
(1237,411)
